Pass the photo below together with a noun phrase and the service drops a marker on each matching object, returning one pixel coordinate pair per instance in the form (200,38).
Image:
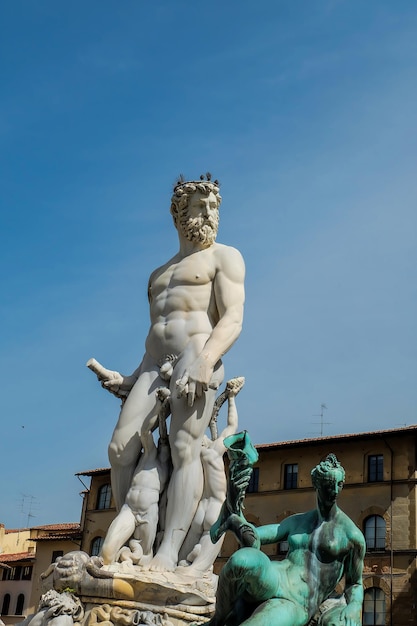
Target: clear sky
(305,111)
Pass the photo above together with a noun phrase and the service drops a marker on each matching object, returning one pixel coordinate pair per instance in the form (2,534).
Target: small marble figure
(200,550)
(138,517)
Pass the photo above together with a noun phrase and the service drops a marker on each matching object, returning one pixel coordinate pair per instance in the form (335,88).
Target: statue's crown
(183,186)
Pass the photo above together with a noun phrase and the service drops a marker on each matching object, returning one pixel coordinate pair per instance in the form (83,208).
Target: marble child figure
(199,549)
(139,515)
(196,309)
(324,545)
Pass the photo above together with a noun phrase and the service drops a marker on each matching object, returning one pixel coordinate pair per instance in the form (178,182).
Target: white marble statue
(196,310)
(199,549)
(139,515)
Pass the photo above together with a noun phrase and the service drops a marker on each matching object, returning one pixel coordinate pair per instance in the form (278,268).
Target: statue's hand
(351,615)
(111,380)
(345,615)
(117,384)
(195,380)
(244,532)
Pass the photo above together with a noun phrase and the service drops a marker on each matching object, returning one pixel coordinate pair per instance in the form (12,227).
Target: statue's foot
(211,622)
(190,572)
(145,561)
(162,563)
(184,570)
(194,553)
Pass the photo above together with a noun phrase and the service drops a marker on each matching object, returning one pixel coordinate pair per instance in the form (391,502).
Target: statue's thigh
(191,420)
(278,612)
(141,404)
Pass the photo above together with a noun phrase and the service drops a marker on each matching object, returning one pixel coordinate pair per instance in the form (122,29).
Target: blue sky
(305,111)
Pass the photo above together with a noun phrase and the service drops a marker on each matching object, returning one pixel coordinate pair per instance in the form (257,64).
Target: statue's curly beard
(199,230)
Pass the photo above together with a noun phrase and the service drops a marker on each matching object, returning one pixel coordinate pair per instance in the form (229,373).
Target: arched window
(374,607)
(104,497)
(19,604)
(96,546)
(375,533)
(6,604)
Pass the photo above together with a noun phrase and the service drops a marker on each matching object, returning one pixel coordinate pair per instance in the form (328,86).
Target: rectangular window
(375,528)
(27,572)
(375,468)
(254,481)
(12,573)
(56,554)
(291,476)
(6,574)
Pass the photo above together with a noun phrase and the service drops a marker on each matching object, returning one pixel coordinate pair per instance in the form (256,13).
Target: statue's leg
(278,612)
(120,530)
(185,488)
(208,550)
(124,449)
(188,425)
(195,532)
(247,580)
(147,532)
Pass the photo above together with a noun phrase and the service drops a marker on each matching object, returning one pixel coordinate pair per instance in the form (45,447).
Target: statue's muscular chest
(194,271)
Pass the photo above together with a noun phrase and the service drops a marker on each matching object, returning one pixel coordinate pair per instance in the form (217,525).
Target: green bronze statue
(324,545)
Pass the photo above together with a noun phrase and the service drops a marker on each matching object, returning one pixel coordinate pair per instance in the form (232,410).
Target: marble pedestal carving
(122,594)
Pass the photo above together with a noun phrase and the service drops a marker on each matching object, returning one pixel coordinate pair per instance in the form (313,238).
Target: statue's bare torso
(183,303)
(319,548)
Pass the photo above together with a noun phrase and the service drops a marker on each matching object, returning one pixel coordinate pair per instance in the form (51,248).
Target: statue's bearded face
(199,219)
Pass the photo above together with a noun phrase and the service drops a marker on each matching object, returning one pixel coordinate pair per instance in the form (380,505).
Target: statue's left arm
(229,294)
(351,615)
(274,533)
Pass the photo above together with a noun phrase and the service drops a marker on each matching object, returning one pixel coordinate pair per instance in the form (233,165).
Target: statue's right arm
(232,422)
(229,293)
(113,381)
(249,535)
(233,387)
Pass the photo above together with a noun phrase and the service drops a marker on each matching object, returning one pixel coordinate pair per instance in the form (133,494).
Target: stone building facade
(24,555)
